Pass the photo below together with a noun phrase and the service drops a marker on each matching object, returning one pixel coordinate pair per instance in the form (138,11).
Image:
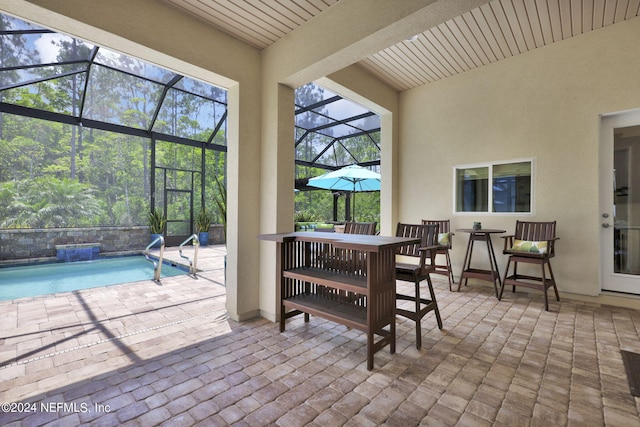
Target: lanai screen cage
(333,132)
(92,137)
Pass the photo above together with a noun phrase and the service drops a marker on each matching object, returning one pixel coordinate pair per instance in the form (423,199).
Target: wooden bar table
(491,275)
(346,278)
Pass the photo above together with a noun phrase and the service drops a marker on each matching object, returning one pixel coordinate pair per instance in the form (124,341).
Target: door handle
(605,225)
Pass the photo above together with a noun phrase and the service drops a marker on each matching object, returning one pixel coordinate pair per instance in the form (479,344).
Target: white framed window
(495,187)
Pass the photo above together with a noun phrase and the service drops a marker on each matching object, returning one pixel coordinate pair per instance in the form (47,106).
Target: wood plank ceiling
(257,22)
(494,31)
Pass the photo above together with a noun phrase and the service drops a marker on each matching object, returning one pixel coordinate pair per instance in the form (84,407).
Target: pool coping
(24,262)
(49,260)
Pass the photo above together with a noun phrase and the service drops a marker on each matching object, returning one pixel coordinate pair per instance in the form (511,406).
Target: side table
(491,275)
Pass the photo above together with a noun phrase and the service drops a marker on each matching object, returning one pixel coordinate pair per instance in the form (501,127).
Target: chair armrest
(428,248)
(508,241)
(551,243)
(432,253)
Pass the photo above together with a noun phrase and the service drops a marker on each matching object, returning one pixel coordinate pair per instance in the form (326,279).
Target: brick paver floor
(144,354)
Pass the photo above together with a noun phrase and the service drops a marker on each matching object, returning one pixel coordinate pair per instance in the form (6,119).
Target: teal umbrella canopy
(350,178)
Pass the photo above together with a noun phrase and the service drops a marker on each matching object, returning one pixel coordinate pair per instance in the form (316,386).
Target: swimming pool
(31,280)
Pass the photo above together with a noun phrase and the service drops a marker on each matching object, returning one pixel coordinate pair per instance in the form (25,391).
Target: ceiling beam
(350,31)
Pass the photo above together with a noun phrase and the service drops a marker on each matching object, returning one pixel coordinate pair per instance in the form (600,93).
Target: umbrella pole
(354,201)
(354,207)
(347,206)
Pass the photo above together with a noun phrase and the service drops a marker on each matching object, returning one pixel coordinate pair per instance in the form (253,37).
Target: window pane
(63,88)
(121,99)
(512,187)
(31,75)
(342,109)
(367,123)
(133,66)
(206,90)
(472,191)
(363,148)
(311,120)
(312,145)
(189,116)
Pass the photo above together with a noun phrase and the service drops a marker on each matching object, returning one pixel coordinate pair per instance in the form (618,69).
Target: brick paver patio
(145,354)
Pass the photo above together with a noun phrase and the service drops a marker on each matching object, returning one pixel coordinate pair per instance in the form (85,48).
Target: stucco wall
(543,104)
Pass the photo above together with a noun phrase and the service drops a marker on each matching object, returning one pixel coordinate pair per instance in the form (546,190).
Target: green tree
(112,168)
(47,202)
(13,52)
(70,90)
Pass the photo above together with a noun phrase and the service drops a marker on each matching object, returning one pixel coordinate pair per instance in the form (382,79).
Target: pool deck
(143,354)
(52,340)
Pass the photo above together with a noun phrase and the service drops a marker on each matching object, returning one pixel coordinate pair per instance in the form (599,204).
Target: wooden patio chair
(349,260)
(445,240)
(360,228)
(532,243)
(418,271)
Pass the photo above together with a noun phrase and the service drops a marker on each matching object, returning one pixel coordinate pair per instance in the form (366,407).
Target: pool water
(31,280)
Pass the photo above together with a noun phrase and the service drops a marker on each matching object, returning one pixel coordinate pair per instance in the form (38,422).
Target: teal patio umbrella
(351,178)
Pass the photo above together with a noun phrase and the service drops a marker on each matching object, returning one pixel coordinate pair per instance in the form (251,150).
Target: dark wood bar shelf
(336,279)
(337,310)
(345,278)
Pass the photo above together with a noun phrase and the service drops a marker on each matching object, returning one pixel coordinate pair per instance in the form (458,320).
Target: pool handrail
(196,243)
(157,265)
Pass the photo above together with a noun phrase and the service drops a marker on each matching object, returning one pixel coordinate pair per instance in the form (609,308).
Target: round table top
(482,230)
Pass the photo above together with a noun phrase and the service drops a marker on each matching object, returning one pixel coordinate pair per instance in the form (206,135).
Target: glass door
(179,205)
(620,202)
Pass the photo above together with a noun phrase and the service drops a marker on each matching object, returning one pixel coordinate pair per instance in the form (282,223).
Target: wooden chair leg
(544,288)
(506,274)
(553,281)
(422,306)
(452,280)
(417,317)
(434,302)
(547,280)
